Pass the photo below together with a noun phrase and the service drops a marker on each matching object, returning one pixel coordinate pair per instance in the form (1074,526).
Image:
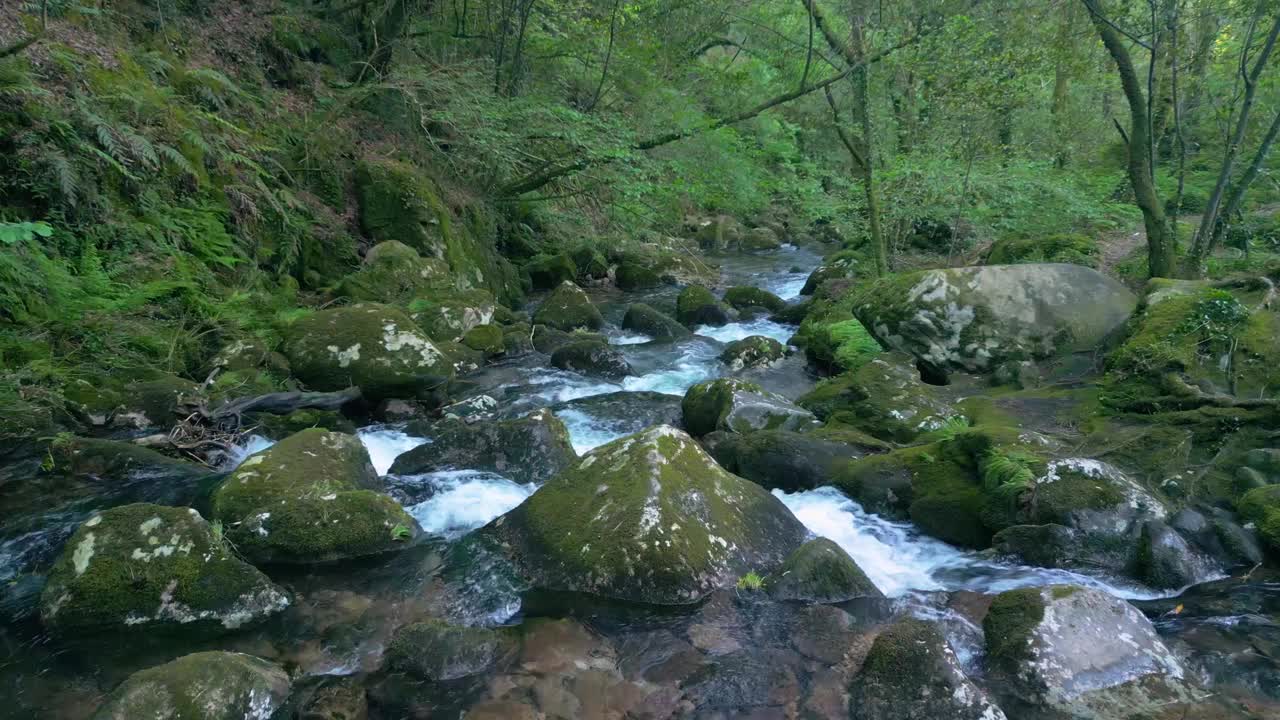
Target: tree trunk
(1062,86)
(1241,187)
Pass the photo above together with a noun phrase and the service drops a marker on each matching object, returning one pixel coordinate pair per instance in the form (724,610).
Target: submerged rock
(1082,653)
(648,518)
(145,567)
(436,651)
(661,327)
(312,497)
(820,571)
(591,357)
(202,686)
(911,673)
(529,449)
(752,352)
(568,308)
(739,406)
(376,347)
(975,318)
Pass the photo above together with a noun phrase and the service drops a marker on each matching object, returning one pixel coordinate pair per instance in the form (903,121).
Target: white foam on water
(625,337)
(899,559)
(385,444)
(465,500)
(737,331)
(253,445)
(788,287)
(585,432)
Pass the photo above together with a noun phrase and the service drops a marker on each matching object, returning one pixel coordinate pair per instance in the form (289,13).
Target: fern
(140,148)
(63,176)
(177,159)
(1008,475)
(951,427)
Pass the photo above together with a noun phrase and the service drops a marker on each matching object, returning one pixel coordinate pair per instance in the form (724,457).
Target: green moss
(317,528)
(113,460)
(1261,506)
(695,306)
(487,339)
(590,263)
(394,273)
(1013,616)
(635,275)
(447,315)
(744,297)
(905,655)
(158,400)
(752,351)
(820,571)
(242,685)
(706,405)
(568,308)
(548,271)
(1059,248)
(1073,491)
(279,427)
(658,325)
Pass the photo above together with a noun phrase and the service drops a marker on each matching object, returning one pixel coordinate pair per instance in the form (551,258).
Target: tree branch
(19,46)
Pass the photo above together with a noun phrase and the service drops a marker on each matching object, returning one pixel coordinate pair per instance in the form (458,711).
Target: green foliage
(14,233)
(1007,474)
(951,427)
(751,582)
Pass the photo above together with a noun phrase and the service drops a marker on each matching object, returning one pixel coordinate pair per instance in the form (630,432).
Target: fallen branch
(283,403)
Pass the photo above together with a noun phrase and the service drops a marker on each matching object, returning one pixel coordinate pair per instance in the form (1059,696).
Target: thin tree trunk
(1241,187)
(1062,85)
(608,55)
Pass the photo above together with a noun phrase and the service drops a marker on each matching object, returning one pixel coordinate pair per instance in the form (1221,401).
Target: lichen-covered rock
(486,339)
(591,357)
(911,673)
(376,347)
(739,406)
(820,571)
(394,273)
(247,354)
(885,398)
(741,297)
(754,351)
(636,275)
(840,266)
(436,651)
(312,497)
(548,271)
(656,324)
(697,306)
(567,309)
(975,318)
(447,315)
(649,518)
(142,567)
(201,686)
(529,449)
(788,461)
(1082,653)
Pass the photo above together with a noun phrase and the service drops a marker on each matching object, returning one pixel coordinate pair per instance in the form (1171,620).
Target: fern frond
(140,147)
(64,175)
(110,162)
(951,427)
(176,159)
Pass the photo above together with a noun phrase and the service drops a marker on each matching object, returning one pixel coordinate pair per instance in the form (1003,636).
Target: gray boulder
(533,448)
(820,571)
(591,357)
(752,352)
(742,407)
(201,686)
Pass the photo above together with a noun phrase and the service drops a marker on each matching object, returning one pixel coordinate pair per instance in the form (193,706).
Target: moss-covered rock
(697,306)
(843,265)
(157,403)
(394,273)
(548,339)
(528,449)
(885,398)
(718,233)
(591,357)
(758,239)
(1261,506)
(911,672)
(376,347)
(739,406)
(1080,652)
(279,427)
(636,275)
(740,298)
(785,460)
(649,518)
(656,324)
(1058,248)
(976,318)
(436,651)
(753,351)
(248,354)
(487,339)
(591,263)
(310,498)
(447,315)
(116,461)
(837,345)
(145,567)
(202,686)
(567,309)
(548,271)
(820,571)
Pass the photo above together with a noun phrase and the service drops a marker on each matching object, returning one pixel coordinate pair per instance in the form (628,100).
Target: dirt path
(1118,245)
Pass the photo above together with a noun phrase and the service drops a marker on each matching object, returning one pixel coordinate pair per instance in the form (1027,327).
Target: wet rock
(911,673)
(697,306)
(625,413)
(719,233)
(202,686)
(533,448)
(1217,533)
(312,497)
(592,265)
(142,567)
(740,298)
(757,239)
(885,398)
(486,339)
(279,427)
(118,461)
(472,409)
(835,268)
(738,406)
(635,275)
(1264,460)
(517,340)
(376,347)
(780,459)
(155,403)
(647,518)
(820,571)
(1261,506)
(567,309)
(752,352)
(447,315)
(591,357)
(661,327)
(394,273)
(747,682)
(336,699)
(1080,652)
(975,318)
(1021,374)
(548,271)
(437,651)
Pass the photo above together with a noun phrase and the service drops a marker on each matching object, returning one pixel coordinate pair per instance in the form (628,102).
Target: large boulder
(977,317)
(376,347)
(395,273)
(548,271)
(567,309)
(753,351)
(658,325)
(885,398)
(591,357)
(743,297)
(1081,653)
(634,274)
(742,407)
(201,686)
(788,461)
(718,233)
(312,497)
(447,315)
(529,449)
(142,567)
(820,571)
(697,306)
(760,238)
(649,518)
(911,673)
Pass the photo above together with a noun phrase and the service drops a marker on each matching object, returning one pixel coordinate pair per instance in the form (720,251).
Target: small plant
(951,427)
(751,581)
(401,533)
(1008,474)
(14,233)
(215,528)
